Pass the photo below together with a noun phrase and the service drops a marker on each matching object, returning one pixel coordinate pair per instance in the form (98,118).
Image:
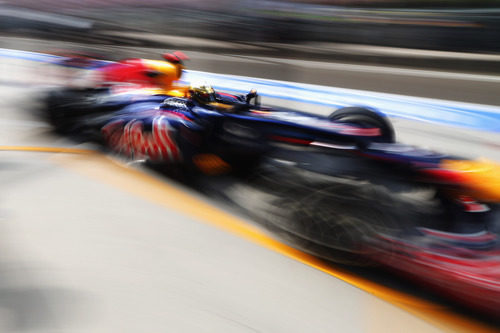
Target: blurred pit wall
(460,25)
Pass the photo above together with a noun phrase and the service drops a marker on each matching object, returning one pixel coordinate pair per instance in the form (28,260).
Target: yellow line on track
(47,149)
(179,199)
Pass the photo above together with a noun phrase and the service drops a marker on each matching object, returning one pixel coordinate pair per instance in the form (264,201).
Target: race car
(217,132)
(318,168)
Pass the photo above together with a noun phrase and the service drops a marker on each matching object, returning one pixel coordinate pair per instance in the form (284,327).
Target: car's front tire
(366,118)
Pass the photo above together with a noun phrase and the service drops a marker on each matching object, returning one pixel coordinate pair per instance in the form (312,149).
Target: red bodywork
(470,276)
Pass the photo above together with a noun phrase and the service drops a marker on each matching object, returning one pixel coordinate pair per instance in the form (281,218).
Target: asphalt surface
(89,246)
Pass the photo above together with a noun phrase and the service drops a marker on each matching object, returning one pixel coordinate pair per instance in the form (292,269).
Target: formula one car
(316,169)
(213,132)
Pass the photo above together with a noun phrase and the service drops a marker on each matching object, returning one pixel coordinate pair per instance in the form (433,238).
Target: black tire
(366,117)
(329,217)
(66,106)
(57,110)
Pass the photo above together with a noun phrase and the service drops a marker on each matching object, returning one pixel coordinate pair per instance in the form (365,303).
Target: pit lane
(128,259)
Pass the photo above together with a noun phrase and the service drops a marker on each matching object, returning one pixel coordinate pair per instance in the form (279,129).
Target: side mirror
(253,95)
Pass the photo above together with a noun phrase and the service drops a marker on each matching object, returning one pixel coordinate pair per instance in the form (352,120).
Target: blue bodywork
(168,129)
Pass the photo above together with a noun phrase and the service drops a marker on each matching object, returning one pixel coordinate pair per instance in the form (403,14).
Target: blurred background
(452,25)
(293,40)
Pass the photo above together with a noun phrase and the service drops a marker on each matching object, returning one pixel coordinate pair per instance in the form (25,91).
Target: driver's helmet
(202,94)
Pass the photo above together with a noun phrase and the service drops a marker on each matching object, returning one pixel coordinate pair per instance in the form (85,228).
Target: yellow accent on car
(170,72)
(211,164)
(153,91)
(482,176)
(176,91)
(221,106)
(180,91)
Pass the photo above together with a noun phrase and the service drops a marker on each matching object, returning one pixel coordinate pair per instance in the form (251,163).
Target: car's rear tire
(366,118)
(58,110)
(65,106)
